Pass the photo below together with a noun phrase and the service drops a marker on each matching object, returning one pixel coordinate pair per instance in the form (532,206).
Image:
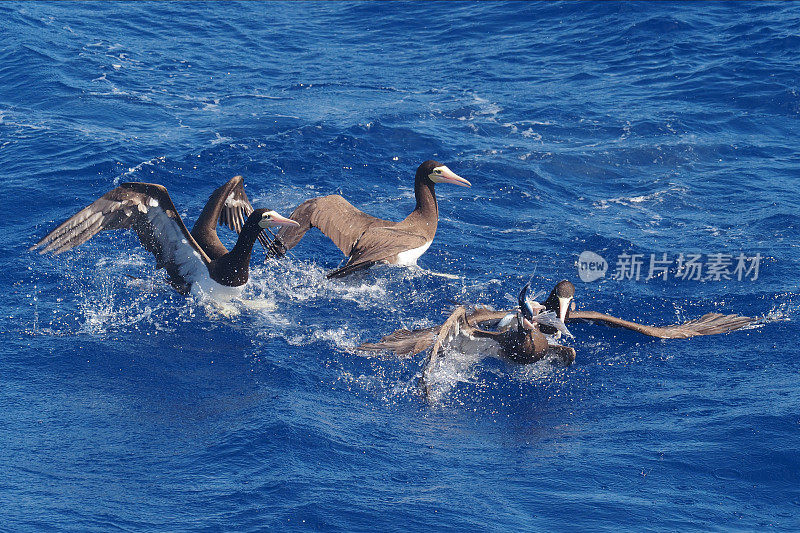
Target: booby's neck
(233,268)
(426,212)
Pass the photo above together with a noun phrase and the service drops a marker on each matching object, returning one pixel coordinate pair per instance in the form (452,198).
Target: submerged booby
(148,210)
(367,240)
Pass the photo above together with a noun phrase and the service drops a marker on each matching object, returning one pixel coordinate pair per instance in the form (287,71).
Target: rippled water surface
(618,128)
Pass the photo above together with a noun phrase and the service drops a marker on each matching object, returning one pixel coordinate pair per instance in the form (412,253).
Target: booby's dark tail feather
(276,248)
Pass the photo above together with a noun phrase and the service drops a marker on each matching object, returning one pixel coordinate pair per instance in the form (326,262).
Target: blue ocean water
(618,128)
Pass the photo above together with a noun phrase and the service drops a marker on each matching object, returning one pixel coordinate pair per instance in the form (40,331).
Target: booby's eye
(436,174)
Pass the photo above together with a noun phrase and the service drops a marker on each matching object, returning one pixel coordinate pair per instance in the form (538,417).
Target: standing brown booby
(367,240)
(148,210)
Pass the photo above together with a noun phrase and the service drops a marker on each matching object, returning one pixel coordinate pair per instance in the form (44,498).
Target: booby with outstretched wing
(148,209)
(365,239)
(709,324)
(519,340)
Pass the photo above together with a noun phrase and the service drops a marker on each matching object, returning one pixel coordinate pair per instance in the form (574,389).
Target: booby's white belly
(206,287)
(409,257)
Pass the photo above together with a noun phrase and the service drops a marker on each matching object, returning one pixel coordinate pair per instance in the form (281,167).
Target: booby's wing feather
(406,343)
(148,210)
(378,244)
(481,316)
(403,342)
(237,208)
(454,325)
(708,324)
(334,216)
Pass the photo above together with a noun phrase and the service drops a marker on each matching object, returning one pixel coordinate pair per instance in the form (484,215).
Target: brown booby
(520,333)
(521,342)
(367,240)
(560,301)
(148,210)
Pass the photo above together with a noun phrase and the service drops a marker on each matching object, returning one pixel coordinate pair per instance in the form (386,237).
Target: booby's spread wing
(148,210)
(453,326)
(334,216)
(379,244)
(403,342)
(481,316)
(708,324)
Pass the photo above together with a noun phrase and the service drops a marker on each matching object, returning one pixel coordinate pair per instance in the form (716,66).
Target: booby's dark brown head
(434,172)
(426,213)
(559,301)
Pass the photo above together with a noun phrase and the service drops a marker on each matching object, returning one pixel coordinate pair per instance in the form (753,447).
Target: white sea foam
(634,201)
(134,169)
(780,313)
(457,363)
(219,139)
